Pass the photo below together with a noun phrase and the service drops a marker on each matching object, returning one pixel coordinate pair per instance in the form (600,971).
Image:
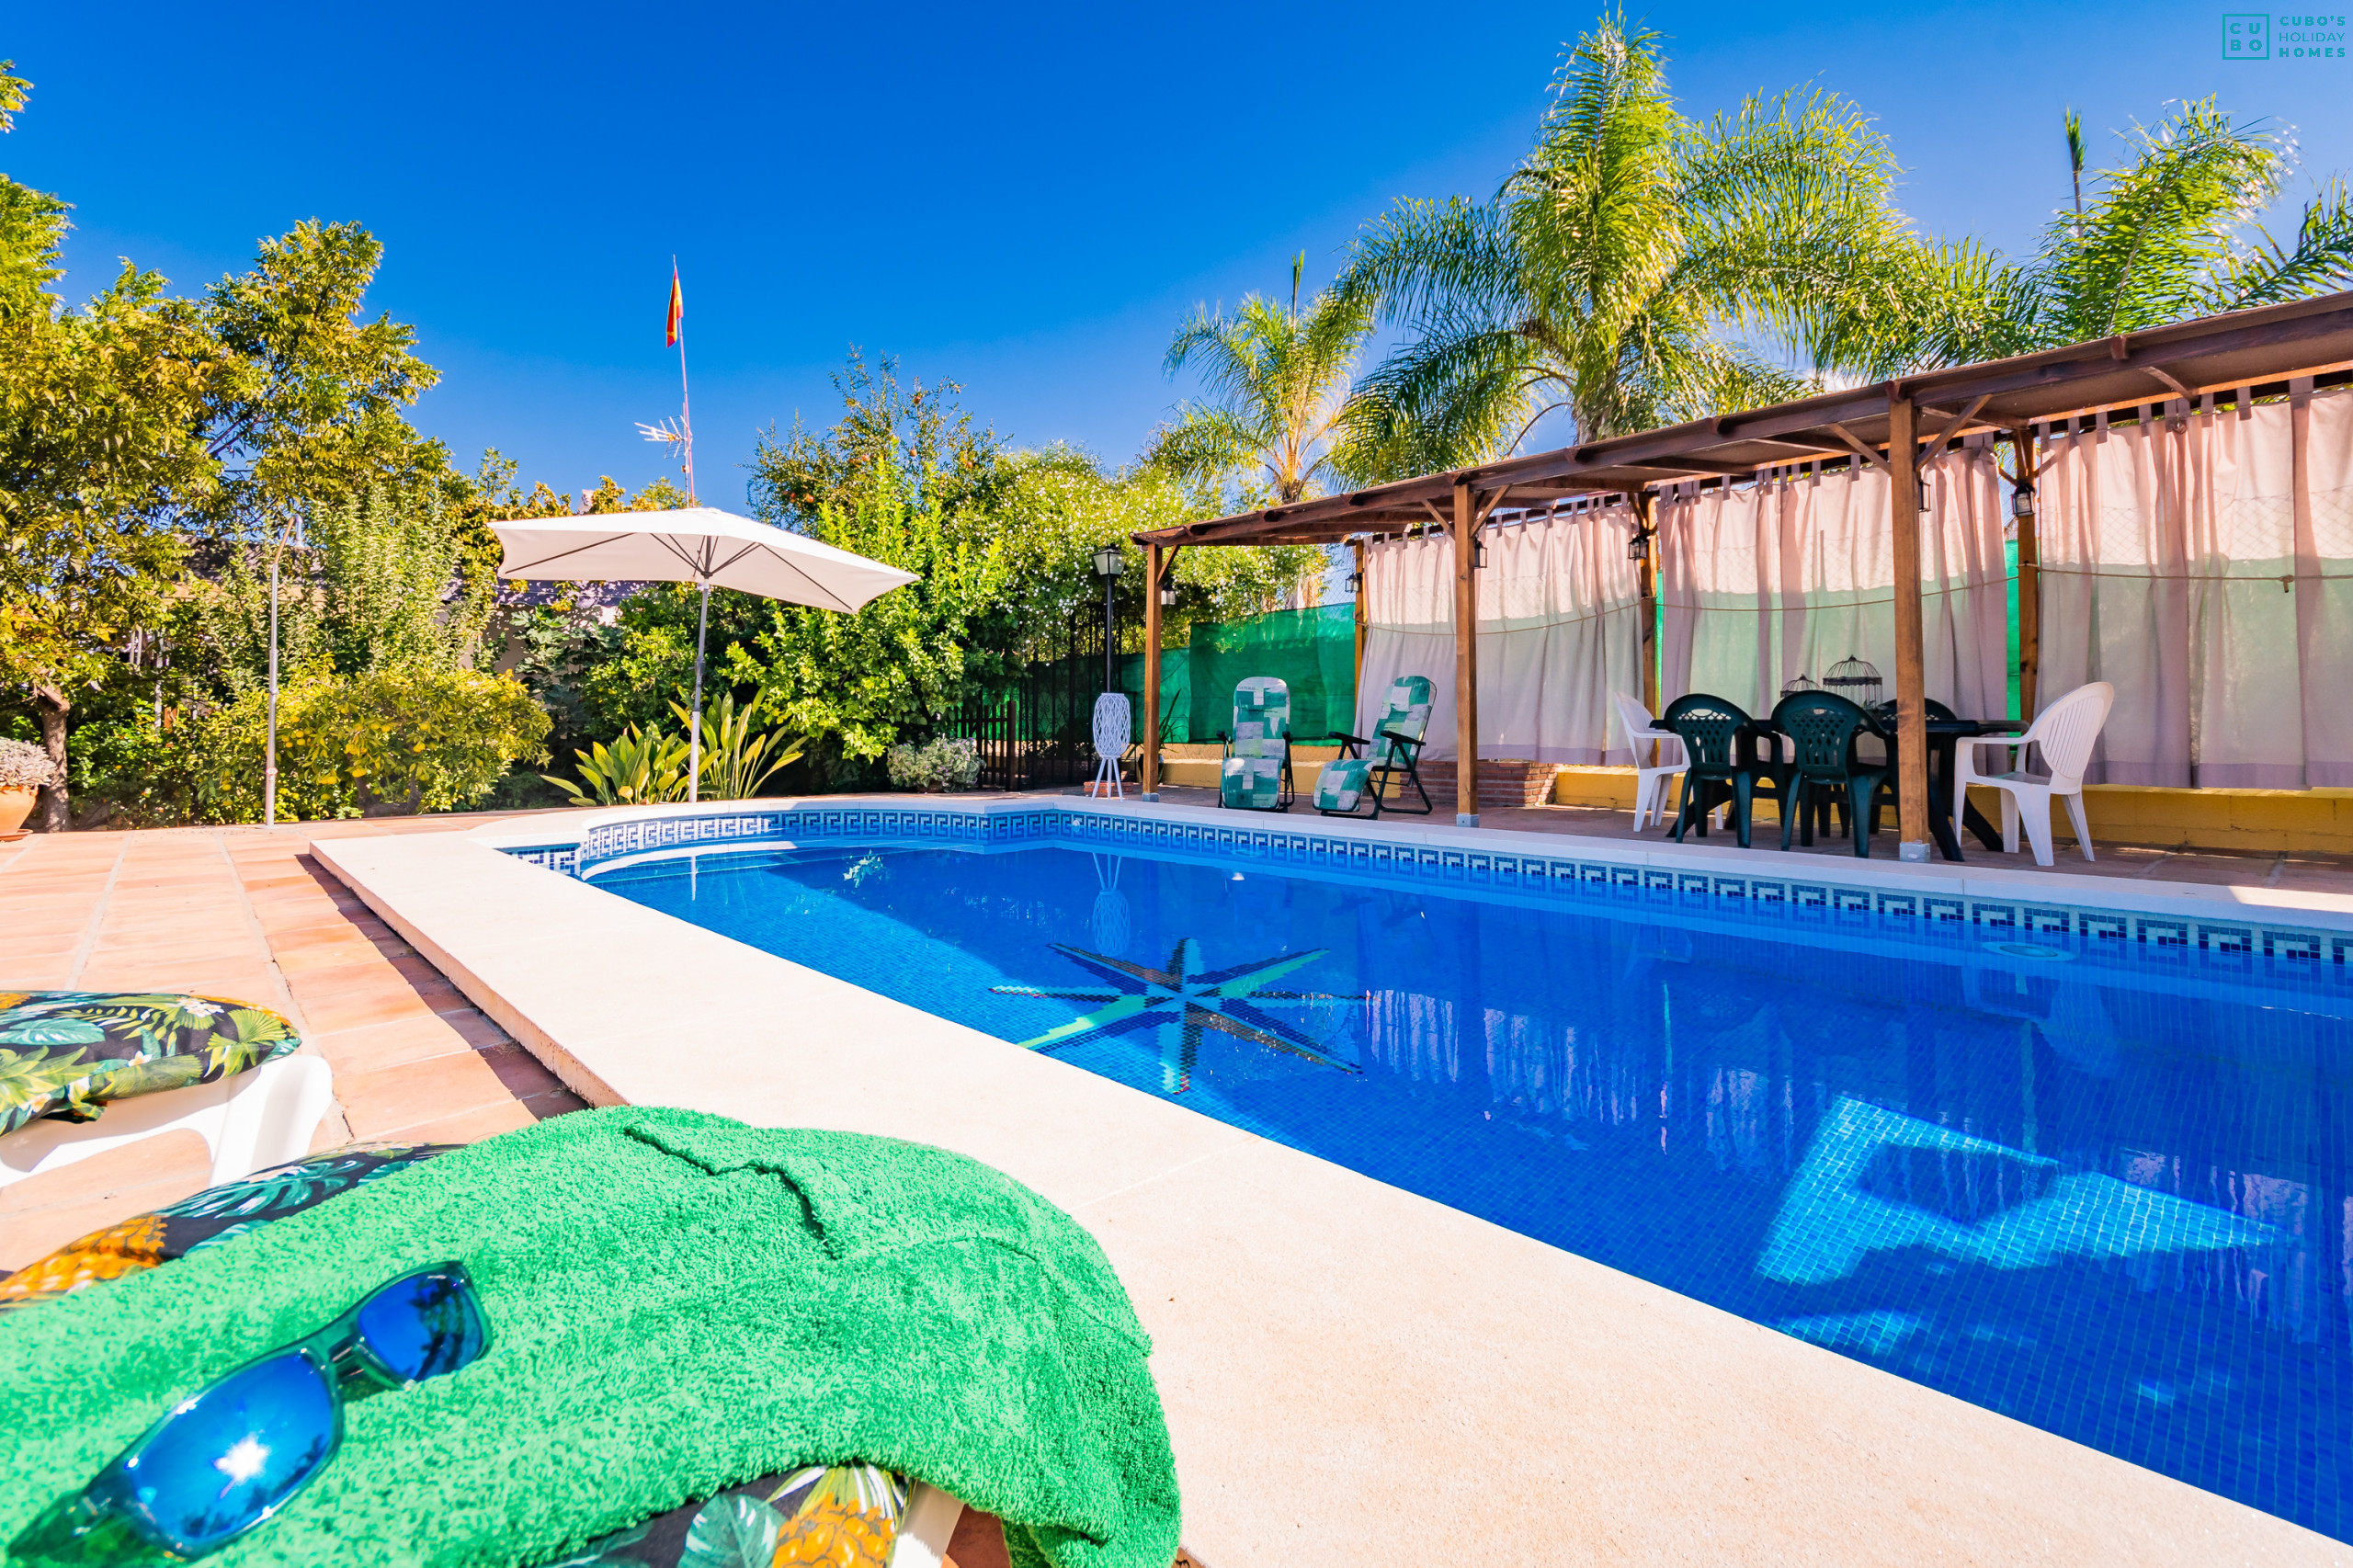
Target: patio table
(1944,736)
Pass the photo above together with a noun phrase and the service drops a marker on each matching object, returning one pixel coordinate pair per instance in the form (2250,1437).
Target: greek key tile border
(1770,901)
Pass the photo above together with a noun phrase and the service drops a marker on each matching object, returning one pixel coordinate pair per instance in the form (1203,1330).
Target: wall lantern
(2022,503)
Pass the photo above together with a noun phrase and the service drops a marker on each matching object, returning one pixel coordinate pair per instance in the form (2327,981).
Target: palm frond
(1201,445)
(2158,231)
(2264,274)
(1444,402)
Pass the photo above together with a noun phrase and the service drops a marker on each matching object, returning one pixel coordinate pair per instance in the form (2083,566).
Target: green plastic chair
(1255,773)
(1396,747)
(1823,728)
(1724,766)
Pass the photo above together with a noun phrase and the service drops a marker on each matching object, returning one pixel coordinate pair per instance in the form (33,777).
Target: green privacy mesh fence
(1313,652)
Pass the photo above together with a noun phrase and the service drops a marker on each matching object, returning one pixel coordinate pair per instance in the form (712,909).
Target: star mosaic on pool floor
(1180,1003)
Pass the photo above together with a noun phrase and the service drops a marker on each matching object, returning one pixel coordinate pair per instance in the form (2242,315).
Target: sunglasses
(226,1458)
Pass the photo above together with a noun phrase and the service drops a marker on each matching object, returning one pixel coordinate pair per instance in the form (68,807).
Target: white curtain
(2202,562)
(1559,631)
(1764,583)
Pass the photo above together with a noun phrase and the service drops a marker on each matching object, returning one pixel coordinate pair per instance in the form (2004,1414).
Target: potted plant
(25,770)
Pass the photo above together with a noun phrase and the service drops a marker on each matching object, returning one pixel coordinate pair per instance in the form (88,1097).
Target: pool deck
(1335,1390)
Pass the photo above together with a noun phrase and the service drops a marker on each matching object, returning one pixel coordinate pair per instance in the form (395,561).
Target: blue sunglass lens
(227,1459)
(422,1326)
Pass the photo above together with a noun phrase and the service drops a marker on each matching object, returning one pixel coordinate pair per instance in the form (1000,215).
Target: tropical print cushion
(843,1516)
(217,1214)
(65,1053)
(1341,784)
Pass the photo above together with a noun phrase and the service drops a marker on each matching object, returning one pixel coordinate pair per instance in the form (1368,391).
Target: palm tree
(2171,233)
(1619,267)
(1279,379)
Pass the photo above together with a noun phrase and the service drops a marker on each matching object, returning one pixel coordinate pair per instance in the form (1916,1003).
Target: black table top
(1939,729)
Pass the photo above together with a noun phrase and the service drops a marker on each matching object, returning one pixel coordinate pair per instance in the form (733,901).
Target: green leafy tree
(383,581)
(383,611)
(1278,378)
(313,409)
(99,406)
(1001,543)
(1623,268)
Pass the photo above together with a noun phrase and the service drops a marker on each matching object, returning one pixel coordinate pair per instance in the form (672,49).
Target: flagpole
(686,409)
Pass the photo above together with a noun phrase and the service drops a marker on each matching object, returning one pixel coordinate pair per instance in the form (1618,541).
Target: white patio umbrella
(701,545)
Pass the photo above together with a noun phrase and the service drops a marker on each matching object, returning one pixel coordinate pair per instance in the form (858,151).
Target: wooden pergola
(1890,425)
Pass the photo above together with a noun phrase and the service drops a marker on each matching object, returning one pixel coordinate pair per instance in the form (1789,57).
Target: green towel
(678,1302)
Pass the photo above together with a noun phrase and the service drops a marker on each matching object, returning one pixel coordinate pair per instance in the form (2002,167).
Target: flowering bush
(935,765)
(24,766)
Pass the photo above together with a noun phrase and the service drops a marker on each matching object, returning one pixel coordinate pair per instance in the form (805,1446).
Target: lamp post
(1106,566)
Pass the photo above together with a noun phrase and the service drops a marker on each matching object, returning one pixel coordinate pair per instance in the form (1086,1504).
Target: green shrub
(943,763)
(422,740)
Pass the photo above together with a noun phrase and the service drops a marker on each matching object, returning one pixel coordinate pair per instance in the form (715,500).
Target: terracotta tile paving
(244,912)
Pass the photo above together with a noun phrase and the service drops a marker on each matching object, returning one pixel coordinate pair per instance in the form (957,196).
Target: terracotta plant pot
(16,805)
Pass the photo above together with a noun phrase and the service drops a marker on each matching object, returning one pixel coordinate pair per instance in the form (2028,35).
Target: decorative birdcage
(1855,681)
(1802,684)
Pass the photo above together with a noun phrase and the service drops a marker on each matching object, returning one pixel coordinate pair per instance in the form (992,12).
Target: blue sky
(1023,199)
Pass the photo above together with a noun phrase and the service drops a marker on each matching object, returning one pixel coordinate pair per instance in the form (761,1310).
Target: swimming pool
(2098,1189)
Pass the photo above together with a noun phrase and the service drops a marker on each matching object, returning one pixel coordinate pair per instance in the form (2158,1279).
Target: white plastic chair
(1650,777)
(2066,731)
(250,1121)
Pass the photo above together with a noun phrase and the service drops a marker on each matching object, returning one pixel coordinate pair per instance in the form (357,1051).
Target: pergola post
(1466,656)
(1646,578)
(1150,770)
(1356,545)
(1911,681)
(2030,582)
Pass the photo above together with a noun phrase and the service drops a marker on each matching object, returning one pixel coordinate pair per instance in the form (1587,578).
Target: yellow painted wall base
(2317,821)
(1195,767)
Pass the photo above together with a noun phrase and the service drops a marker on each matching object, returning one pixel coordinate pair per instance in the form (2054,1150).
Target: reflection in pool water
(2105,1193)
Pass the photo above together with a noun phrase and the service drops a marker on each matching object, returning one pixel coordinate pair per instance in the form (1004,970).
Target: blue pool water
(2101,1194)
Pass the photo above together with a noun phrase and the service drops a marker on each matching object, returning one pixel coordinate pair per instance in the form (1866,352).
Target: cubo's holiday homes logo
(2250,35)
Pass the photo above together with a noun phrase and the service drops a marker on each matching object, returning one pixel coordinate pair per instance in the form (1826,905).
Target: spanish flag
(677,308)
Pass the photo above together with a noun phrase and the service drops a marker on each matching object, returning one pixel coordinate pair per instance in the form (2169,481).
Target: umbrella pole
(694,741)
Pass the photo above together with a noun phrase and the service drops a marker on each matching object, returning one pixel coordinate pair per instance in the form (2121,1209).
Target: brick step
(1502,782)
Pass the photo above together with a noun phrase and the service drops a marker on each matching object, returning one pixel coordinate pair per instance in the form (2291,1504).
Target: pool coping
(2227,917)
(1312,1323)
